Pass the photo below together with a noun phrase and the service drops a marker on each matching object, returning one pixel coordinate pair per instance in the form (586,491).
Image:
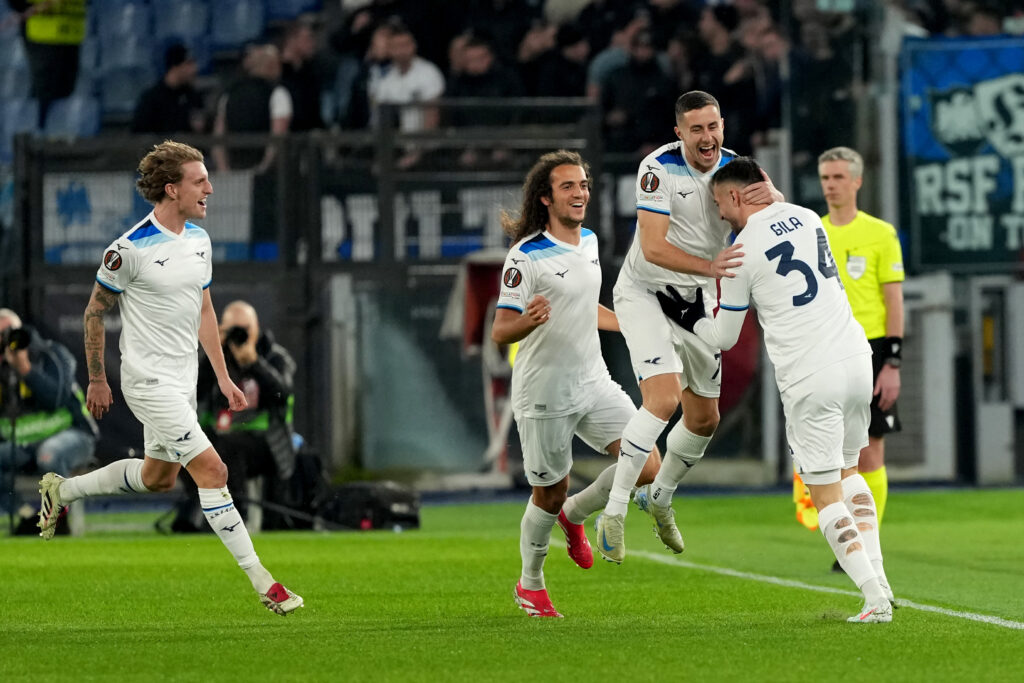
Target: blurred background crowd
(199,66)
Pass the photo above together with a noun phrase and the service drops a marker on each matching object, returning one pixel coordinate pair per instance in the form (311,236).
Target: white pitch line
(789,583)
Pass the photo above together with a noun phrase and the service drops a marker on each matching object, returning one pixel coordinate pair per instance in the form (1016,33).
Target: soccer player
(822,364)
(677,238)
(870,263)
(160,273)
(560,384)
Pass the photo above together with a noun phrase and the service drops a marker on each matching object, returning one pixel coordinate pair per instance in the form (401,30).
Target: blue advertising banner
(963,142)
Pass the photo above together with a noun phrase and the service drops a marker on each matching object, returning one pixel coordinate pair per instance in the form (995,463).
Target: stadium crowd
(337,60)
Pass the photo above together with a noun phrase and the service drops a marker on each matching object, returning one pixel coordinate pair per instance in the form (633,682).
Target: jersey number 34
(787,264)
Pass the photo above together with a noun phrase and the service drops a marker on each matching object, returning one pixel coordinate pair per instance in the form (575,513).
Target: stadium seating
(289,9)
(19,115)
(15,81)
(75,117)
(117,20)
(233,23)
(120,88)
(126,52)
(184,19)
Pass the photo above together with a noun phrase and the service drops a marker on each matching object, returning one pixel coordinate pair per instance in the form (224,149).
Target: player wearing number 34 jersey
(822,364)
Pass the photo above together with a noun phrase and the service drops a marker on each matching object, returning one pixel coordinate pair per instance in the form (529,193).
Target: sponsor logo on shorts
(654,361)
(185,437)
(539,475)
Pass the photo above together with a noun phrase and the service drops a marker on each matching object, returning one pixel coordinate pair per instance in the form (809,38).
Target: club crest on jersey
(649,182)
(512,277)
(112,260)
(856,266)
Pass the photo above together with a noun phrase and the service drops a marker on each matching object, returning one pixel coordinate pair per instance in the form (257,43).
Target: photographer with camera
(256,441)
(42,404)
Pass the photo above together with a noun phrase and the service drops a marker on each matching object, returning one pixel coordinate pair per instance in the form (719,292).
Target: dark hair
(162,166)
(742,171)
(399,27)
(695,99)
(533,215)
(726,15)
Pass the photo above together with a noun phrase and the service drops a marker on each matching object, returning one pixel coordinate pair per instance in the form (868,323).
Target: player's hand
(98,398)
(538,311)
(726,259)
(887,387)
(762,193)
(235,396)
(680,311)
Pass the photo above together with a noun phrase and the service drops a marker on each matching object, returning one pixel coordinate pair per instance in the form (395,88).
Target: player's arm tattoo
(101,301)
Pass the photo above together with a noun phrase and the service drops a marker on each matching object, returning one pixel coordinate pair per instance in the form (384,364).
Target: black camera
(236,335)
(15,338)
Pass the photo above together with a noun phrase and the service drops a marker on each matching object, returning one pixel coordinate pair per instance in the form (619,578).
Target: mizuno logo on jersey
(120,247)
(684,194)
(162,261)
(595,262)
(654,361)
(201,254)
(562,274)
(517,260)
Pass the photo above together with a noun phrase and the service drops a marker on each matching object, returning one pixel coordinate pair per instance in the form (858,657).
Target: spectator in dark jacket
(53,432)
(633,92)
(173,105)
(563,71)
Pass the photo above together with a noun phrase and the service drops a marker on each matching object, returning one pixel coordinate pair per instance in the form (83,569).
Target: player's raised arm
(511,326)
(98,397)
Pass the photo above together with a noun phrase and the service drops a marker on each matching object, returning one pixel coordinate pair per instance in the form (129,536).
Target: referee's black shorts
(882,421)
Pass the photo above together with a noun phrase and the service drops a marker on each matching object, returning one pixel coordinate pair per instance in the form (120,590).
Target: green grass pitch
(436,604)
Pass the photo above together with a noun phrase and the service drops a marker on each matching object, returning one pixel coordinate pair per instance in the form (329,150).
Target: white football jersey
(788,273)
(559,364)
(160,277)
(666,184)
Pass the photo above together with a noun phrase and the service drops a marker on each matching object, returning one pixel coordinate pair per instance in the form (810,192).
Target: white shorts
(658,346)
(827,416)
(547,441)
(171,429)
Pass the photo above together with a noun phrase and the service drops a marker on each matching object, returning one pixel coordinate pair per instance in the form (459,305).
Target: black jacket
(50,385)
(272,374)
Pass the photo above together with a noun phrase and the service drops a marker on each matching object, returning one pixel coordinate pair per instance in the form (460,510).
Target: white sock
(219,510)
(861,504)
(591,499)
(534,536)
(638,438)
(841,533)
(684,450)
(120,476)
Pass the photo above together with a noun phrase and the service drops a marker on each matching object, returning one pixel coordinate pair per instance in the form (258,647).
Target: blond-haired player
(159,272)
